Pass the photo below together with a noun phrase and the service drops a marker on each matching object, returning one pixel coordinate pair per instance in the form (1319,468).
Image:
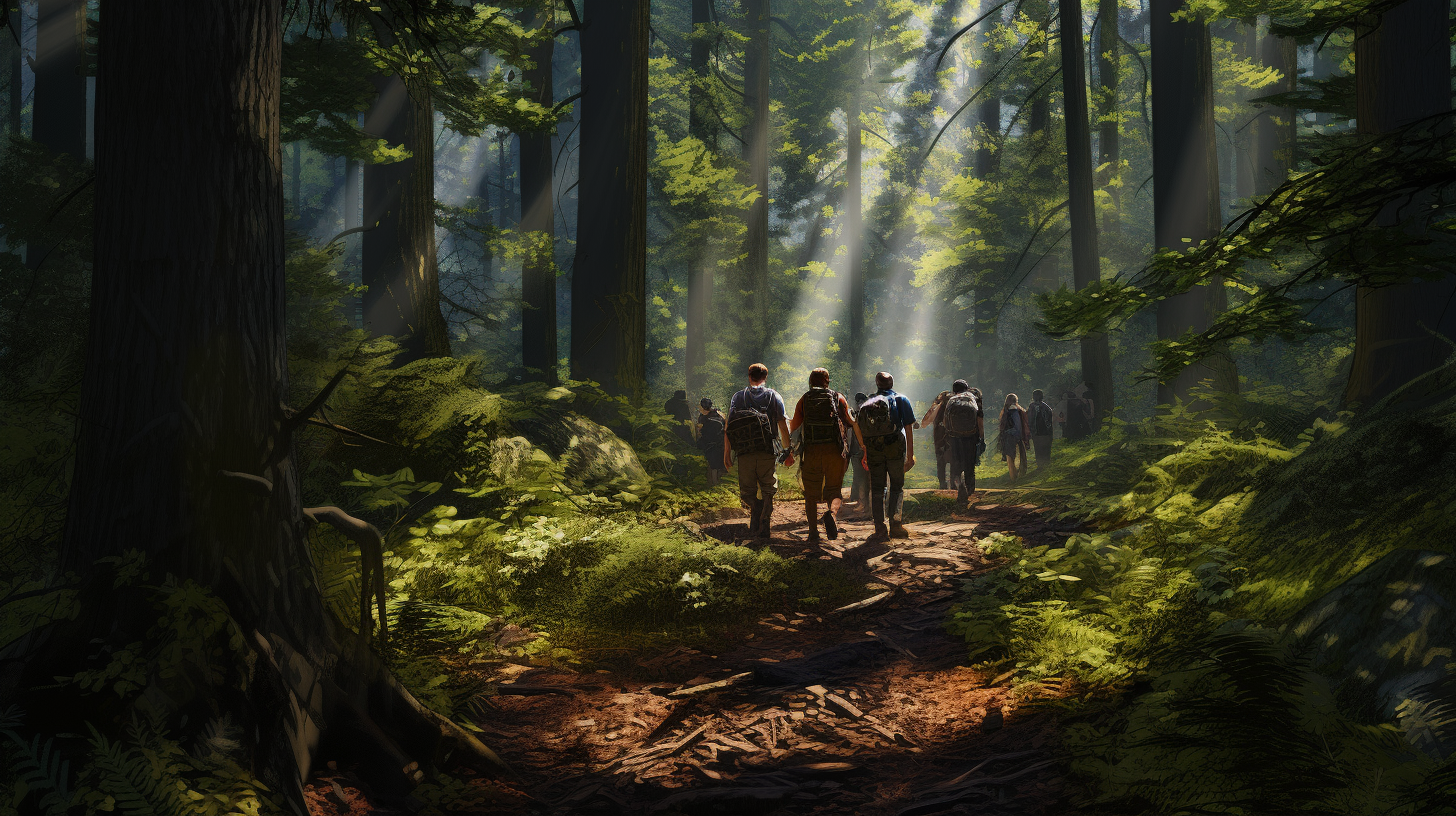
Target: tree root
(371,562)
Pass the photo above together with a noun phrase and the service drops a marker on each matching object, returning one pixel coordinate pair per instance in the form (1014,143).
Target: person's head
(757,373)
(959,386)
(1010,401)
(680,395)
(819,378)
(1071,395)
(705,404)
(884,381)
(1037,395)
(860,398)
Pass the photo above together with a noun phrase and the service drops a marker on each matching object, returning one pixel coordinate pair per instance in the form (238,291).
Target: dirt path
(862,711)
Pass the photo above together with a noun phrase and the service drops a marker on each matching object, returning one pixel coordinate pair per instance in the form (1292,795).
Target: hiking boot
(881,531)
(765,525)
(831,527)
(755,517)
(897,530)
(814,536)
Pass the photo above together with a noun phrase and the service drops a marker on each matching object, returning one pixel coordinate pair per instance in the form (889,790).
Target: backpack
(822,423)
(1041,419)
(750,430)
(710,434)
(875,418)
(960,415)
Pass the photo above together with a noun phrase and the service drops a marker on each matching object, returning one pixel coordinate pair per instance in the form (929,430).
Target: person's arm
(727,452)
(798,416)
(788,444)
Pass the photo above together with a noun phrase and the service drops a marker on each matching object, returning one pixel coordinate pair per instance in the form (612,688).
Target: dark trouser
(758,481)
(1043,447)
(886,455)
(963,464)
(941,455)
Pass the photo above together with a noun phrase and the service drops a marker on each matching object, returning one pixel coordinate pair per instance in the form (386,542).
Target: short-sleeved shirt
(764,399)
(902,413)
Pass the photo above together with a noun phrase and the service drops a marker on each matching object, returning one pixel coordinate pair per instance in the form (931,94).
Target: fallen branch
(371,564)
(865,604)
(719,684)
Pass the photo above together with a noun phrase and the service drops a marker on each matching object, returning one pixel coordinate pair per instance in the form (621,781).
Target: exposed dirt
(868,711)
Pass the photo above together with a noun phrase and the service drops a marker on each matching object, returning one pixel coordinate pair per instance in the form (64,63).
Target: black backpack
(749,428)
(960,415)
(875,418)
(710,433)
(822,423)
(1041,419)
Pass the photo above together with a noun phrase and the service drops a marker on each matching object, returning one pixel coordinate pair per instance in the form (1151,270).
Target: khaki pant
(822,469)
(757,475)
(886,459)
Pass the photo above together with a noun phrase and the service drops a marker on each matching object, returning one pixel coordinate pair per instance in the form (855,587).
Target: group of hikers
(876,437)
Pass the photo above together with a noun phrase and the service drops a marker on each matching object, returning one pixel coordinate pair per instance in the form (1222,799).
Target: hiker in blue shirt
(758,433)
(887,422)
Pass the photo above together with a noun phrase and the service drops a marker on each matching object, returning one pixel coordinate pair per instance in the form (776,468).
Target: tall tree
(700,271)
(609,273)
(400,271)
(756,75)
(185,454)
(16,58)
(59,110)
(1086,261)
(1185,183)
(1275,132)
(1402,74)
(853,205)
(538,218)
(1109,135)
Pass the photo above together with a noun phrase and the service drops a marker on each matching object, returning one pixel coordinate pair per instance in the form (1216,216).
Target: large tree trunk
(1109,136)
(853,228)
(59,110)
(700,261)
(1402,74)
(13,86)
(1185,184)
(1086,261)
(756,90)
(538,222)
(185,452)
(609,274)
(403,295)
(1275,132)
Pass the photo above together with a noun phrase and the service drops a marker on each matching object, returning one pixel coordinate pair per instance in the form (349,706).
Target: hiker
(1040,414)
(823,417)
(933,417)
(964,424)
(1013,436)
(859,488)
(708,427)
(886,426)
(677,408)
(1076,417)
(757,431)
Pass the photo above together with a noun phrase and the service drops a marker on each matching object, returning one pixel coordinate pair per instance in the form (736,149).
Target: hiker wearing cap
(964,423)
(1041,416)
(708,428)
(886,424)
(757,431)
(822,417)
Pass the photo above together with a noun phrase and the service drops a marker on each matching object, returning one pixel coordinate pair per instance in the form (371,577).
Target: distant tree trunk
(59,109)
(757,62)
(1086,260)
(297,181)
(487,215)
(853,229)
(538,223)
(1186,207)
(1244,140)
(609,275)
(1402,74)
(1109,136)
(16,56)
(700,269)
(1275,131)
(400,271)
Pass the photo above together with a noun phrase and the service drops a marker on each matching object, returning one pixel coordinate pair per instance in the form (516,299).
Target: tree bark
(609,273)
(1402,70)
(297,182)
(757,62)
(853,229)
(538,223)
(403,295)
(1185,193)
(16,60)
(1275,131)
(59,109)
(1086,260)
(700,270)
(1109,135)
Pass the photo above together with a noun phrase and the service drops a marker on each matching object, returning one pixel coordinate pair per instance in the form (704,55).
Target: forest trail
(858,711)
